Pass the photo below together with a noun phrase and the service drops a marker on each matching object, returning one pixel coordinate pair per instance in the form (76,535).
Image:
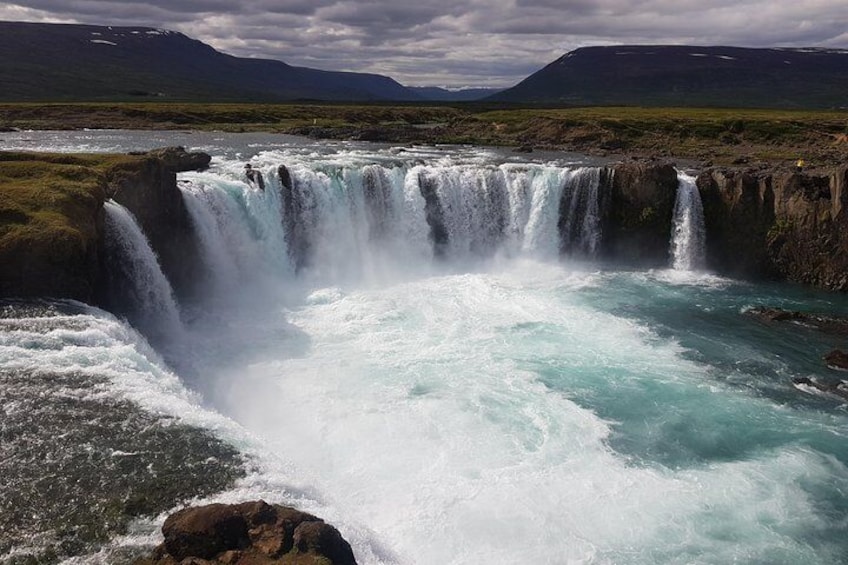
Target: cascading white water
(156,311)
(338,223)
(535,215)
(239,230)
(688,233)
(581,222)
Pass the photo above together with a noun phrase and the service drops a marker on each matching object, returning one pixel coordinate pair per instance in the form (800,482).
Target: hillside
(65,62)
(689,76)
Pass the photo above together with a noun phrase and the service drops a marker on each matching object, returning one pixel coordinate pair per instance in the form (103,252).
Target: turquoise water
(600,417)
(497,404)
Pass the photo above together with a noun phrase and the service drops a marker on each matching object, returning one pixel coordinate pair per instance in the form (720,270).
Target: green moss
(647,215)
(49,207)
(778,229)
(44,201)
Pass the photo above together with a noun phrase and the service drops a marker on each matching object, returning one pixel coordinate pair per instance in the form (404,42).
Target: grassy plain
(721,136)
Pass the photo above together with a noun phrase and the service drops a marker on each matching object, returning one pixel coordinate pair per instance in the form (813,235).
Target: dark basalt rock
(641,207)
(298,217)
(435,215)
(829,324)
(285,177)
(254,533)
(837,360)
(178,160)
(771,223)
(839,389)
(147,187)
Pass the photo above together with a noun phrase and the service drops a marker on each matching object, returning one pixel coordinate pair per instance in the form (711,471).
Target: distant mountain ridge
(42,62)
(679,75)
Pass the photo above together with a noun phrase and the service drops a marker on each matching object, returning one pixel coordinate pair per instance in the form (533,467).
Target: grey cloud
(454,42)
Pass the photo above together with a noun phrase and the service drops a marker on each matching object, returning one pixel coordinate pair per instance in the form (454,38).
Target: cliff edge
(51,216)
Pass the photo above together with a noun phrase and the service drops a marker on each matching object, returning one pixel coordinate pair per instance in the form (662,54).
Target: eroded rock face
(251,532)
(178,160)
(784,225)
(641,208)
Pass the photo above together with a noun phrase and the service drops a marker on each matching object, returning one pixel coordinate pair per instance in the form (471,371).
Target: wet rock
(147,187)
(839,389)
(829,324)
(435,215)
(637,219)
(253,533)
(837,360)
(178,160)
(285,177)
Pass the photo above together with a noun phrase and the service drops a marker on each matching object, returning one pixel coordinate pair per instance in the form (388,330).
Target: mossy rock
(50,209)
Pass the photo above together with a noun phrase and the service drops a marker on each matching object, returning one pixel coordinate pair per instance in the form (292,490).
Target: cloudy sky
(455,43)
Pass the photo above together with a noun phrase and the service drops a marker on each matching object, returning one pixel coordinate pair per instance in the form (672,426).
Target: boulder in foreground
(254,533)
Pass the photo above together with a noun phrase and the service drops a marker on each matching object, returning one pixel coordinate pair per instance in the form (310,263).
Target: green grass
(51,198)
(49,210)
(716,134)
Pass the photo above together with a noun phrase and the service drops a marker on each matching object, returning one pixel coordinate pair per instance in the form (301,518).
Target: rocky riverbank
(707,136)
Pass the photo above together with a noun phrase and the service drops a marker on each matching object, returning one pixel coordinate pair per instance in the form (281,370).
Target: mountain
(61,62)
(657,75)
(436,94)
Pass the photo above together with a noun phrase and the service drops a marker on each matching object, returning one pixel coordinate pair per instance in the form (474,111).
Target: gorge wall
(760,224)
(779,225)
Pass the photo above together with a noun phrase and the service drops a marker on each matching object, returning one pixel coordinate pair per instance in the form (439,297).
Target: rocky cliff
(147,187)
(640,207)
(761,223)
(778,224)
(51,218)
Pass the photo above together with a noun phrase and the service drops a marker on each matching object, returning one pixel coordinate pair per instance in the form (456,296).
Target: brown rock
(250,533)
(323,539)
(837,360)
(178,160)
(641,207)
(205,531)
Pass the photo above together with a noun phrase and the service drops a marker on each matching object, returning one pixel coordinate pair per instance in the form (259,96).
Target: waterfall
(580,220)
(336,222)
(475,208)
(145,295)
(688,234)
(535,211)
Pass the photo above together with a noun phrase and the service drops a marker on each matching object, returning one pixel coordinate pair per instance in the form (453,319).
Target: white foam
(414,411)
